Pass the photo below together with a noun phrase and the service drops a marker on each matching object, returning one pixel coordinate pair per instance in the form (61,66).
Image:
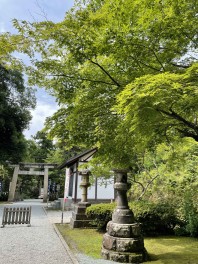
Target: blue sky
(34,10)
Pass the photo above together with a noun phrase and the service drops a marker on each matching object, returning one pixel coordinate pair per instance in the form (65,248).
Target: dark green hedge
(101,214)
(156,218)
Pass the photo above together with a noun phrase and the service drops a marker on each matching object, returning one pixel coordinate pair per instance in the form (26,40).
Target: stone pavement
(38,244)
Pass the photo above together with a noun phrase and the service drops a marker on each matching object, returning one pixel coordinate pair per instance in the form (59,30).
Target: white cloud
(43,110)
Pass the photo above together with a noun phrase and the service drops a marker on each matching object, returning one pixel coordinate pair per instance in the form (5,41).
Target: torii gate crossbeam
(43,170)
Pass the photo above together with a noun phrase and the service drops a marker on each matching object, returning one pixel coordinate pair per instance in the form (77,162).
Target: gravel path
(38,244)
(41,243)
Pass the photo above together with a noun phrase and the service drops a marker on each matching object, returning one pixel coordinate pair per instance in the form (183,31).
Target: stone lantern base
(123,243)
(79,218)
(123,257)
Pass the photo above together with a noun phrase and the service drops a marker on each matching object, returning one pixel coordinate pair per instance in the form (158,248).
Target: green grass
(5,202)
(172,250)
(87,241)
(162,250)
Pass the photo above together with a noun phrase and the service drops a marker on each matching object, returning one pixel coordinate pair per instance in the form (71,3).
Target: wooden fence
(12,215)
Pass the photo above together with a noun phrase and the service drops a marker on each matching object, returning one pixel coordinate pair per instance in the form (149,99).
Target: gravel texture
(38,244)
(41,243)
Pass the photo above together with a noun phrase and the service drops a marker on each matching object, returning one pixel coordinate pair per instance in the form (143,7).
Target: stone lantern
(123,242)
(84,185)
(79,217)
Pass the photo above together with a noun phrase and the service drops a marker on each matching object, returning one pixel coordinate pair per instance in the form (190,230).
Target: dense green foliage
(16,101)
(157,219)
(166,106)
(118,69)
(165,171)
(43,146)
(100,214)
(160,218)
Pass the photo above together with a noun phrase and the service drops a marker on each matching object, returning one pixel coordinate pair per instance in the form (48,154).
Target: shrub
(160,218)
(190,216)
(156,219)
(100,214)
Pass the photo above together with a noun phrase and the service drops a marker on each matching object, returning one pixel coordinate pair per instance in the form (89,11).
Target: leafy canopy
(123,72)
(165,104)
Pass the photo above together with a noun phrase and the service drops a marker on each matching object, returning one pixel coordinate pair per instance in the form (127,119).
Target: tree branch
(81,79)
(175,116)
(141,62)
(113,80)
(134,180)
(151,50)
(188,134)
(158,59)
(145,188)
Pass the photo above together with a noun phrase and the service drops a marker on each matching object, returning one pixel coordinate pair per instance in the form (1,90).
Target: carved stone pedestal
(123,241)
(79,218)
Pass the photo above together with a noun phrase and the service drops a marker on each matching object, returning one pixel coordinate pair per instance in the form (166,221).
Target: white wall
(105,189)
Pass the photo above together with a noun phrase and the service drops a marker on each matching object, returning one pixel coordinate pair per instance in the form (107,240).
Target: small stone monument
(123,241)
(79,217)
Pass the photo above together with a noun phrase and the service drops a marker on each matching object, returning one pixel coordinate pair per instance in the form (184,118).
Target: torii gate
(18,170)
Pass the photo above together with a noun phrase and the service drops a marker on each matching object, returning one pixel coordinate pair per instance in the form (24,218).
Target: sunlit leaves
(165,104)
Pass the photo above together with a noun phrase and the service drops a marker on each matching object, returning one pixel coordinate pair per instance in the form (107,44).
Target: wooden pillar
(45,191)
(13,184)
(76,187)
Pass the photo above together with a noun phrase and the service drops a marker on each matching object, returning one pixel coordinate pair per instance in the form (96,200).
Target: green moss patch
(162,250)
